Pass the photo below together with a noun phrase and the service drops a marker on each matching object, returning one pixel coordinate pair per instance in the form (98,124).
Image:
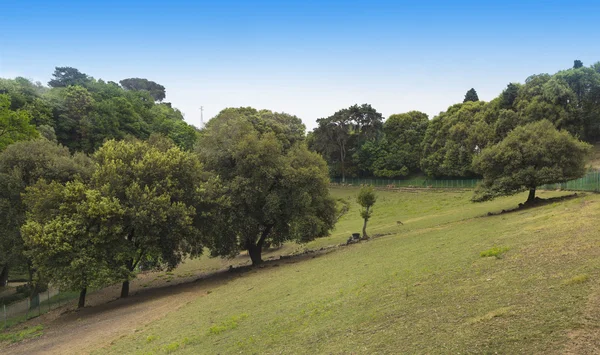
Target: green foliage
(577,64)
(85,112)
(530,156)
(401,148)
(159,188)
(495,252)
(274,188)
(155,90)
(471,95)
(228,324)
(14,125)
(342,135)
(366,199)
(27,333)
(453,137)
(22,164)
(67,76)
(70,233)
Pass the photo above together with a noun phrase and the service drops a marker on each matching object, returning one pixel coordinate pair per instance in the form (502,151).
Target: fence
(590,182)
(459,183)
(19,311)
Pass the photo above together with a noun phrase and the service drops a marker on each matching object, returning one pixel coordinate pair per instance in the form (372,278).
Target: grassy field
(424,287)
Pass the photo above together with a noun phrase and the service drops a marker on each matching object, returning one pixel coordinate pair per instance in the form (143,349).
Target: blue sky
(308,58)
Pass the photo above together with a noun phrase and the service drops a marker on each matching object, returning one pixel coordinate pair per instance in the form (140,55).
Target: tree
(74,125)
(276,190)
(366,199)
(156,90)
(471,95)
(14,125)
(22,164)
(577,64)
(530,156)
(70,234)
(67,76)
(453,137)
(509,95)
(342,134)
(158,187)
(401,148)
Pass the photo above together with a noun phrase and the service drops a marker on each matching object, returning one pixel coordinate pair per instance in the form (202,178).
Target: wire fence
(415,183)
(590,182)
(22,310)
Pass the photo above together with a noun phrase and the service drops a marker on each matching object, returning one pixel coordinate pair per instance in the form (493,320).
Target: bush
(495,251)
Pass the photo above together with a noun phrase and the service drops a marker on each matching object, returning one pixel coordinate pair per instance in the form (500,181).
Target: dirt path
(80,332)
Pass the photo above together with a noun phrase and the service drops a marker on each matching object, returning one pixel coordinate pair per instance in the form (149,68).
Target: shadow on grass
(538,202)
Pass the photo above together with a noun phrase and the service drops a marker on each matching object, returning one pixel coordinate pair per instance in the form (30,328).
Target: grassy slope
(424,289)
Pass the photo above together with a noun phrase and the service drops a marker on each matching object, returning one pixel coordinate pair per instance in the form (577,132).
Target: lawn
(450,279)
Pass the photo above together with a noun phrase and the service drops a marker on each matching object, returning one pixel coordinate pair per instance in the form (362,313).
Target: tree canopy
(157,186)
(14,125)
(471,95)
(155,90)
(530,156)
(276,189)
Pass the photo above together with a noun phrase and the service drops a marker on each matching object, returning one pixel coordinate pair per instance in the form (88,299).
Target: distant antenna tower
(202,116)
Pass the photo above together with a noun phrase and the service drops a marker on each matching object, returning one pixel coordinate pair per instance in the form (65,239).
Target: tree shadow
(538,202)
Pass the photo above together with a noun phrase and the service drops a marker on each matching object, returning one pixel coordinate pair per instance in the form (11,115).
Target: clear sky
(308,58)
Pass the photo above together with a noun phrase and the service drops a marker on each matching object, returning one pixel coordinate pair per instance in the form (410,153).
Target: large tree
(71,233)
(530,156)
(67,76)
(158,187)
(276,189)
(400,150)
(341,135)
(156,90)
(22,164)
(453,137)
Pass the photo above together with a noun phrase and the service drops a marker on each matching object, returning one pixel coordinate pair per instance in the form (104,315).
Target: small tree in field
(530,156)
(366,199)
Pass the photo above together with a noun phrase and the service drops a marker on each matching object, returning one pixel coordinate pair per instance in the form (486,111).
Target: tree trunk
(125,289)
(255,250)
(255,254)
(82,293)
(531,197)
(365,226)
(4,275)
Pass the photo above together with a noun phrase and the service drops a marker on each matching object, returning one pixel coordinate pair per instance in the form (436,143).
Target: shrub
(495,251)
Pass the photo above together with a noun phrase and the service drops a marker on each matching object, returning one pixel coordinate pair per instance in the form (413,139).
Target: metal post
(27,313)
(4,306)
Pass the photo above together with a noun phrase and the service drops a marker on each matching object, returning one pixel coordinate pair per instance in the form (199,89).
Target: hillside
(421,287)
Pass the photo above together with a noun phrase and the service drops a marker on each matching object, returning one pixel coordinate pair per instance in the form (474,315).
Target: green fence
(424,183)
(590,182)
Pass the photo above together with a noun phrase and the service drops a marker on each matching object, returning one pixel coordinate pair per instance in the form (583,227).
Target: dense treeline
(356,141)
(81,112)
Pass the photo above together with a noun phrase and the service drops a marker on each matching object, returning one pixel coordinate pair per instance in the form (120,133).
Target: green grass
(424,288)
(20,335)
(495,251)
